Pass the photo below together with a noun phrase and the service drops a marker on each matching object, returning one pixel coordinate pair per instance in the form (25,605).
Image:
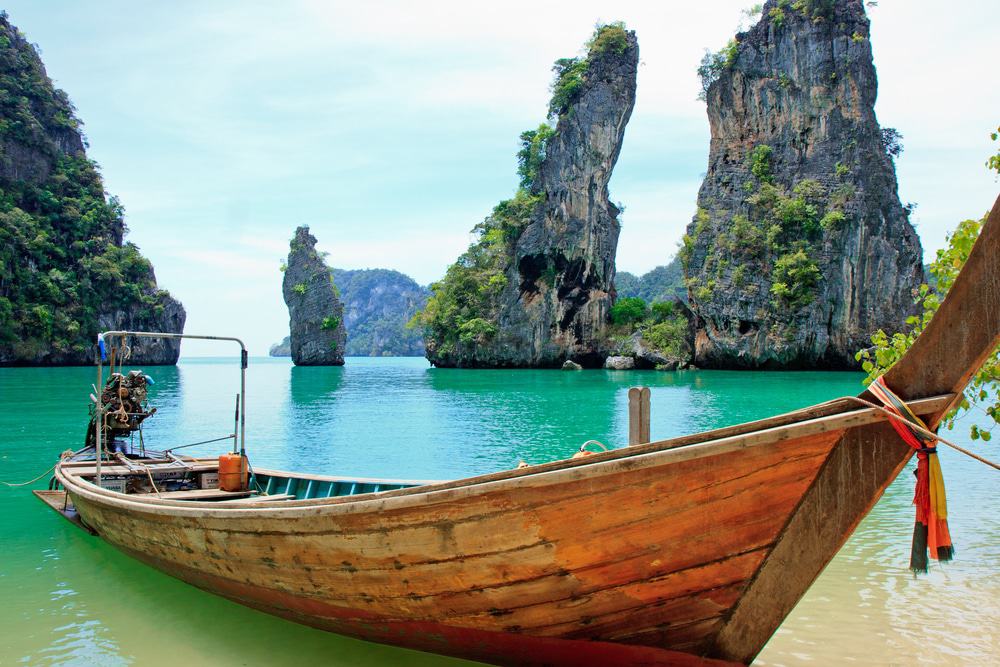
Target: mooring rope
(924,431)
(69,453)
(893,415)
(30,481)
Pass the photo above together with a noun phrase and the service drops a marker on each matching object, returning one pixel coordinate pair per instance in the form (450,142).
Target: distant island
(663,283)
(377,306)
(66,272)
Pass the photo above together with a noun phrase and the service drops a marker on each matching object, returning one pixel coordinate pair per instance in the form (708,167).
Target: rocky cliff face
(65,271)
(800,248)
(553,246)
(378,304)
(316,316)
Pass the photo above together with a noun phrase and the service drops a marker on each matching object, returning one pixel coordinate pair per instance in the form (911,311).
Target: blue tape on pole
(100,345)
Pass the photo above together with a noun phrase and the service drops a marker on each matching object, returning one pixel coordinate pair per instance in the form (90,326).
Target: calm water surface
(68,598)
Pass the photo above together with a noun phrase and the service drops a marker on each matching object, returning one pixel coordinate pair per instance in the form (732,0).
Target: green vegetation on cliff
(569,72)
(714,63)
(63,264)
(983,391)
(783,230)
(464,305)
(993,162)
(984,387)
(662,327)
(664,283)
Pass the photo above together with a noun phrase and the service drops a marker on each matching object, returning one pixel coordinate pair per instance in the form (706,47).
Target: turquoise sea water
(68,598)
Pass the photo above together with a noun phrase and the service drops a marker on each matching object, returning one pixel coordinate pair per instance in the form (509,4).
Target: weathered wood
(200,494)
(54,499)
(644,415)
(261,499)
(638,416)
(634,416)
(57,501)
(155,468)
(962,334)
(472,561)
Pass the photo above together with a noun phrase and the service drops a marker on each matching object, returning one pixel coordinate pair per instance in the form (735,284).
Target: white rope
(927,432)
(30,481)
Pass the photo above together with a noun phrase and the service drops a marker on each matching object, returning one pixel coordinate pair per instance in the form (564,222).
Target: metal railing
(111,335)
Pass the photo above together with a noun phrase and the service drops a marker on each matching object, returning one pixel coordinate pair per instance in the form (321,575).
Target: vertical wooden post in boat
(638,415)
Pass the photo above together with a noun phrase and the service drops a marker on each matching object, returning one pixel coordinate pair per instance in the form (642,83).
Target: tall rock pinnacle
(316,316)
(546,259)
(800,248)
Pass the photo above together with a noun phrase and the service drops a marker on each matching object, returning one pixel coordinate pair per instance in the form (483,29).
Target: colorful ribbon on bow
(930,531)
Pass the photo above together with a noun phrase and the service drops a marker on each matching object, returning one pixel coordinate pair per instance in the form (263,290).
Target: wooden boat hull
(620,557)
(668,553)
(639,556)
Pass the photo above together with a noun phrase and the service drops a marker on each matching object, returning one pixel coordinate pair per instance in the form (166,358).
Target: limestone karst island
(589,334)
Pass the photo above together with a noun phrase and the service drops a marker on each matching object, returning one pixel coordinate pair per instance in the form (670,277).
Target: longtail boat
(685,551)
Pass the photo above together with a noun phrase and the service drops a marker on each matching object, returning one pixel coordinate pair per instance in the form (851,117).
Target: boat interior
(197,479)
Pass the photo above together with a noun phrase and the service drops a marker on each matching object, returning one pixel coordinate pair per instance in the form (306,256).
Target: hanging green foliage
(983,392)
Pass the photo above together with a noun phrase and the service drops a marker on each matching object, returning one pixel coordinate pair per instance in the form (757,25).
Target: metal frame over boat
(683,551)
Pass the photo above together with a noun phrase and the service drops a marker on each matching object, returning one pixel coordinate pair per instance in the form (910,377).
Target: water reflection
(312,386)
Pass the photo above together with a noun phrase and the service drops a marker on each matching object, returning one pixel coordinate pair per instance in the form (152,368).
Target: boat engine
(124,401)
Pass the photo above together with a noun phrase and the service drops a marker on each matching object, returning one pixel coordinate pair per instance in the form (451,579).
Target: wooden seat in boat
(201,494)
(262,499)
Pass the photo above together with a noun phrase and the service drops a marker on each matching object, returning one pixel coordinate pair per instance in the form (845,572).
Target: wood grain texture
(618,557)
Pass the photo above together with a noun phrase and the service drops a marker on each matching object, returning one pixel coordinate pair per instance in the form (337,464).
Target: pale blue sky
(391,128)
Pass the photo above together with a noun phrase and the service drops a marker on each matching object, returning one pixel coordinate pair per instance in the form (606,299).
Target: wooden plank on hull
(155,469)
(260,499)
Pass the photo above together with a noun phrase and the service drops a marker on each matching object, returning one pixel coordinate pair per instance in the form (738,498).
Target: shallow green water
(67,598)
